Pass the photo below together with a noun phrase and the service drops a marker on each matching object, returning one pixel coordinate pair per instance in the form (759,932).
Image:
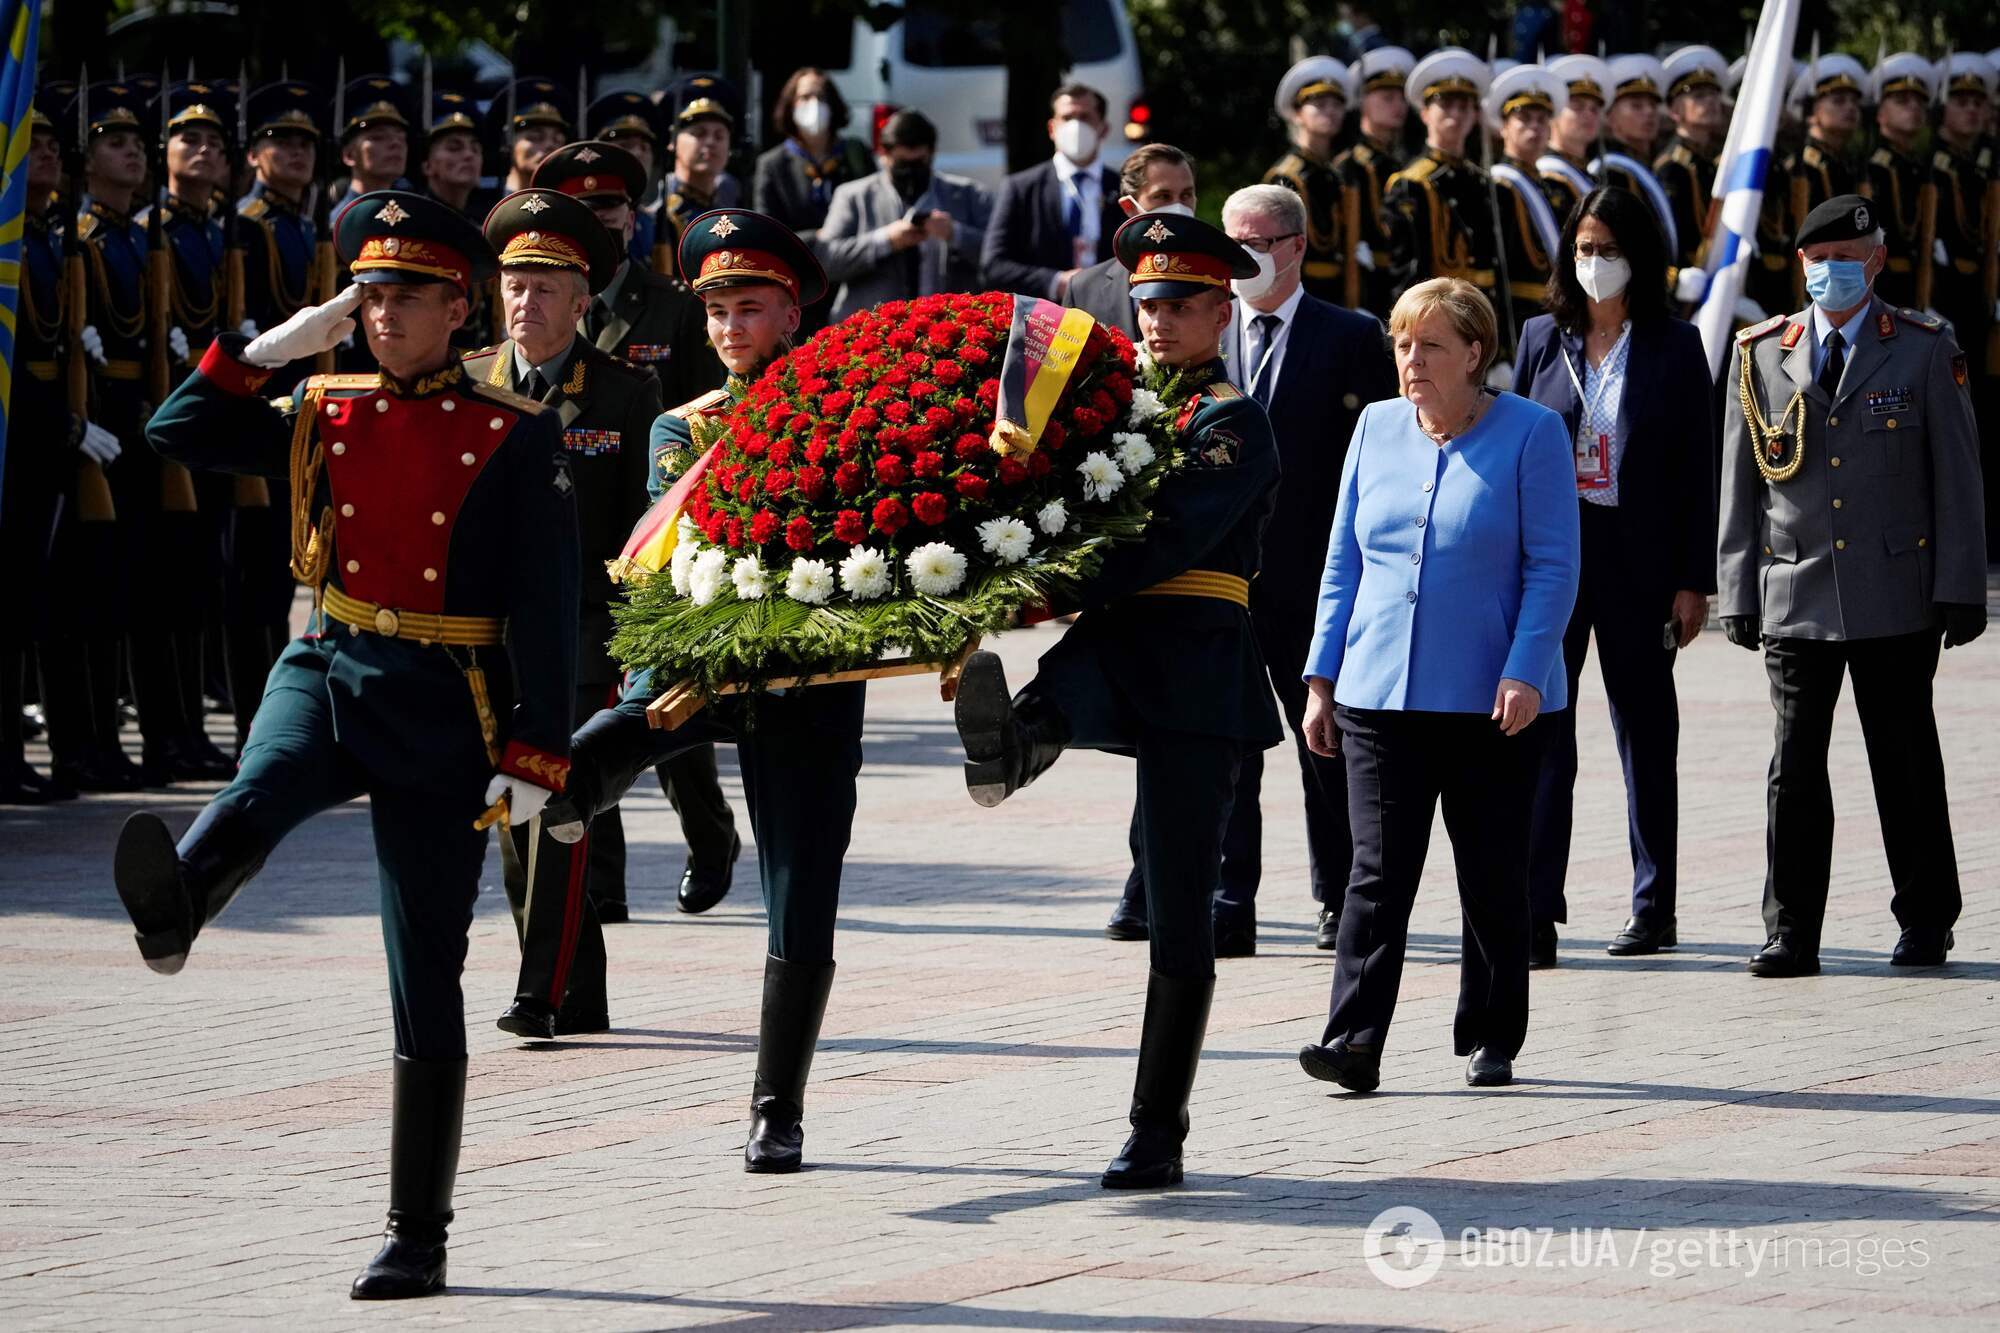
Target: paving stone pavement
(1686,1145)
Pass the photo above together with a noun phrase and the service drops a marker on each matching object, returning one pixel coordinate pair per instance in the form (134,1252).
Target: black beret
(1845,217)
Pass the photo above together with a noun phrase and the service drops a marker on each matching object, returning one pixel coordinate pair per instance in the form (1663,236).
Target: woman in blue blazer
(1449,580)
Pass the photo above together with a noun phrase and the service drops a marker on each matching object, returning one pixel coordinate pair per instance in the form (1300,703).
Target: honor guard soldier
(433,516)
(1898,177)
(1312,102)
(1851,538)
(450,165)
(1439,209)
(1967,263)
(631,121)
(374,136)
(554,256)
(1575,130)
(532,124)
(1520,106)
(1829,94)
(653,321)
(698,178)
(1686,171)
(1365,168)
(1632,123)
(1163,665)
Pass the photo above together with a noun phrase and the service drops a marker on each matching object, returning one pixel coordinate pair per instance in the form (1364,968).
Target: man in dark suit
(1052,220)
(1158,178)
(1313,366)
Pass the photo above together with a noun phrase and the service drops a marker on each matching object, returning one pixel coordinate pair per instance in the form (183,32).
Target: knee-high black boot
(1169,1050)
(105,682)
(794,1004)
(171,893)
(424,1133)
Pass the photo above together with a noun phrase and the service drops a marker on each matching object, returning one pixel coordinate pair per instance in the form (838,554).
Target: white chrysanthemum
(685,550)
(1053,518)
(1145,406)
(865,573)
(1135,452)
(1101,477)
(685,532)
(936,569)
(1006,539)
(707,575)
(750,579)
(810,581)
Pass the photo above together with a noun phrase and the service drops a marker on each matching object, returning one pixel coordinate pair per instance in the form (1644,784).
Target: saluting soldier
(1312,101)
(1632,122)
(631,121)
(1829,93)
(1686,171)
(1162,665)
(653,321)
(1899,180)
(1521,105)
(1439,210)
(1365,169)
(532,124)
(554,256)
(432,515)
(1576,129)
(1851,537)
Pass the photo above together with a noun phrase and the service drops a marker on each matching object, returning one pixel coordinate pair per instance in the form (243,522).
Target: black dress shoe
(99,775)
(613,913)
(1784,956)
(401,1270)
(1150,1159)
(533,1019)
(1488,1069)
(702,889)
(575,1021)
(1127,923)
(22,785)
(1355,1070)
(1641,937)
(1329,929)
(147,871)
(1236,941)
(1542,946)
(1922,946)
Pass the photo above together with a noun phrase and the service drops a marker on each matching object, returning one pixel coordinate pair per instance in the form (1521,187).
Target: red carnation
(1053,436)
(1012,472)
(848,479)
(1085,421)
(816,450)
(714,527)
(781,451)
(756,446)
(777,481)
(970,446)
(922,389)
(1040,464)
(929,508)
(849,443)
(849,527)
(799,424)
(989,395)
(775,418)
(919,437)
(836,404)
(928,464)
(971,486)
(891,471)
(799,533)
(733,532)
(948,372)
(1120,389)
(764,526)
(855,378)
(898,412)
(944,333)
(866,418)
(812,482)
(890,516)
(746,487)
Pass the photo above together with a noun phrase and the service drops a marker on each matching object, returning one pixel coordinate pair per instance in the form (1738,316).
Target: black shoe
(580,1019)
(22,785)
(100,775)
(1640,937)
(1488,1069)
(153,886)
(612,913)
(1783,956)
(1236,941)
(202,761)
(1128,921)
(787,1032)
(1328,936)
(1338,1062)
(530,1018)
(1541,946)
(425,1127)
(1922,946)
(1169,1052)
(701,889)
(1006,747)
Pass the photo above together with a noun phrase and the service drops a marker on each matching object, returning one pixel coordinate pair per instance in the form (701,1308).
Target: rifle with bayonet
(93,491)
(176,482)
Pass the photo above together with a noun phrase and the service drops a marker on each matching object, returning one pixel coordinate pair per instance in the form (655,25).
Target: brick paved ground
(211,1147)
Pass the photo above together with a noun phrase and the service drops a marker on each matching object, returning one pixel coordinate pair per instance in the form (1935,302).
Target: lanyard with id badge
(1592,446)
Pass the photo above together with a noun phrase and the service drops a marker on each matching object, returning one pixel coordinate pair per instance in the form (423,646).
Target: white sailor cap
(1524,86)
(1441,73)
(1310,78)
(1970,72)
(1383,68)
(1694,67)
(1637,76)
(1832,73)
(1583,76)
(1904,72)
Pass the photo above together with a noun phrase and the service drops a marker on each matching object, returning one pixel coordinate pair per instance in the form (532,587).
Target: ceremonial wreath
(911,478)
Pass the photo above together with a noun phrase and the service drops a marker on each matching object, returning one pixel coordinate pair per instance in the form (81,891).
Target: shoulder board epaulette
(1756,331)
(481,351)
(1929,323)
(144,216)
(1362,153)
(1986,159)
(1680,153)
(1421,169)
(708,402)
(506,398)
(1813,156)
(86,225)
(345,383)
(1223,391)
(1941,160)
(1881,157)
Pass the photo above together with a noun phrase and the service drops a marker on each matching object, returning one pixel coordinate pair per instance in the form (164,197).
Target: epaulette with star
(703,405)
(1756,331)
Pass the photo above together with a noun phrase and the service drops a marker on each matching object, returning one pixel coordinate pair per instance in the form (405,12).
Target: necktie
(1073,209)
(1265,327)
(1836,361)
(537,387)
(593,319)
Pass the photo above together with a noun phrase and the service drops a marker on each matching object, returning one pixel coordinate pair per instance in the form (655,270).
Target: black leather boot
(424,1133)
(1169,1050)
(788,1030)
(1009,742)
(170,893)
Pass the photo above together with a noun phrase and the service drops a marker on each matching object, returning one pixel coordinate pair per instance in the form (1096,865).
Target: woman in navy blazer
(1632,385)
(1449,580)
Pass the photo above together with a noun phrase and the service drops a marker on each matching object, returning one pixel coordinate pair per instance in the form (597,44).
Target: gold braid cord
(312,544)
(1762,432)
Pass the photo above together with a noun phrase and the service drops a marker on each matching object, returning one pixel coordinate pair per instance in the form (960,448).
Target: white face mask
(1076,140)
(1249,289)
(1601,278)
(812,116)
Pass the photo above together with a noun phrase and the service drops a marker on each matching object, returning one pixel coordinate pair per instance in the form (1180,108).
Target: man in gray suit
(1158,178)
(906,231)
(1851,540)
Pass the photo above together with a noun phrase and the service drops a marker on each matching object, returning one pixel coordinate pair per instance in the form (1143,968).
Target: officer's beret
(1845,217)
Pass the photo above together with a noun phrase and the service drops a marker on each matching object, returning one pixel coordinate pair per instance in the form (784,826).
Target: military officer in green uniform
(554,256)
(1312,102)
(1365,169)
(1439,208)
(433,516)
(1852,541)
(1162,665)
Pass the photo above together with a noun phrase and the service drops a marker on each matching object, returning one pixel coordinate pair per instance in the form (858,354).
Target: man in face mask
(905,231)
(1054,219)
(1852,542)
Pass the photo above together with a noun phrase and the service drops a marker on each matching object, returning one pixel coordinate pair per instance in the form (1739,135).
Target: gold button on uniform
(448,405)
(339,448)
(386,622)
(347,511)
(1834,461)
(430,576)
(1840,544)
(1836,504)
(437,517)
(381,404)
(354,566)
(1923,541)
(1833,421)
(1890,423)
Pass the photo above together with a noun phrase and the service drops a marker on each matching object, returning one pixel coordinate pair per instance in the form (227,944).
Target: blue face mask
(1837,284)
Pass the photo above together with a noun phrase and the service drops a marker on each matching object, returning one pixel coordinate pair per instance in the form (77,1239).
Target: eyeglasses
(1262,244)
(1586,249)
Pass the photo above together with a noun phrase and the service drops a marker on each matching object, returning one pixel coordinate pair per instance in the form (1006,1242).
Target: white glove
(1749,311)
(314,329)
(1691,285)
(1938,251)
(1364,257)
(248,328)
(99,445)
(524,799)
(93,343)
(1501,376)
(177,342)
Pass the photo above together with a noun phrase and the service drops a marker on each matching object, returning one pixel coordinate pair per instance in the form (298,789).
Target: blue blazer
(1449,567)
(1666,476)
(1026,241)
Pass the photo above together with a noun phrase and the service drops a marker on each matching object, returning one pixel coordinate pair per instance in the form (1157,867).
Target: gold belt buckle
(386,623)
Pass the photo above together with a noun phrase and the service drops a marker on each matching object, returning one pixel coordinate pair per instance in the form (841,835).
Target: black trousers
(1638,671)
(1892,693)
(1400,767)
(694,788)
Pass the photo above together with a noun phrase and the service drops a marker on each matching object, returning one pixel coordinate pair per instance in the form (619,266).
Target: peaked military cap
(112,105)
(547,229)
(623,113)
(1453,70)
(286,107)
(697,97)
(535,101)
(370,101)
(1845,217)
(197,103)
(1524,87)
(593,169)
(1830,74)
(1171,255)
(1969,72)
(1637,76)
(1315,76)
(1903,72)
(734,247)
(452,113)
(395,236)
(51,105)
(1583,76)
(1382,70)
(1694,67)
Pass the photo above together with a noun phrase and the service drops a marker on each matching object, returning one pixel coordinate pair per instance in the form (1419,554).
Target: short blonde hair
(1464,307)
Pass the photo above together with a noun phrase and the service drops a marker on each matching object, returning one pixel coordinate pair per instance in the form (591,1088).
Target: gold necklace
(1443,437)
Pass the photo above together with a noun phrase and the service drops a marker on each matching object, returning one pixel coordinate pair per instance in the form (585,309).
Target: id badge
(1593,460)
